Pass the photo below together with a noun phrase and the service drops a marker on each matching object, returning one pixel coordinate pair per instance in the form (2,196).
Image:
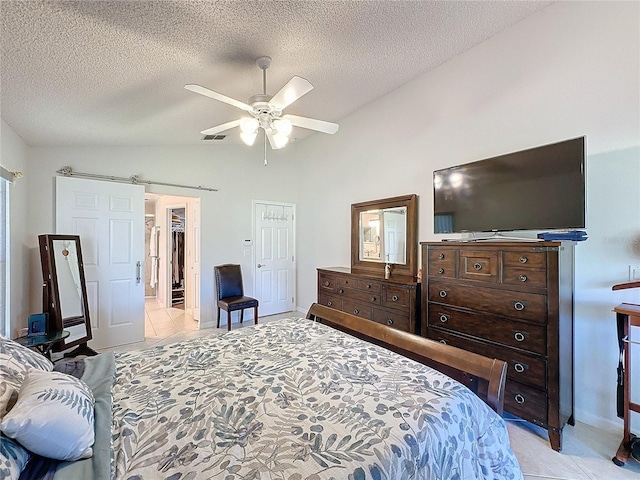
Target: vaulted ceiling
(113,72)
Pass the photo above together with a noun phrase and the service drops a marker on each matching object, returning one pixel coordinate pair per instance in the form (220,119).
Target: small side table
(629,313)
(44,343)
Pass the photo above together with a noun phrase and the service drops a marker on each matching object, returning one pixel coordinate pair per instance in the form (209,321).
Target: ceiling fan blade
(217,96)
(293,90)
(221,128)
(313,124)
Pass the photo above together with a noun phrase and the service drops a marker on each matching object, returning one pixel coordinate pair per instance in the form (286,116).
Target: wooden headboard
(484,376)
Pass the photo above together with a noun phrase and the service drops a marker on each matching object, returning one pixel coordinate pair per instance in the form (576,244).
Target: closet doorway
(173,301)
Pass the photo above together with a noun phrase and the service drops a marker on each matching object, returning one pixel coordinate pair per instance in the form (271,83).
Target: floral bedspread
(293,399)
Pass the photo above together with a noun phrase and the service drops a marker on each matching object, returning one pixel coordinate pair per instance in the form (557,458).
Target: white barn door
(109,218)
(274,271)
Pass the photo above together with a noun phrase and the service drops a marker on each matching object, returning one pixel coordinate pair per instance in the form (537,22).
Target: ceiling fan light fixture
(280,140)
(248,138)
(283,126)
(249,125)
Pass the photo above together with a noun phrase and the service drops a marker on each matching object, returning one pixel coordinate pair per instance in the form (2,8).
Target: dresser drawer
(526,402)
(479,265)
(525,259)
(392,319)
(326,282)
(525,306)
(369,286)
(442,263)
(524,276)
(356,308)
(521,367)
(396,297)
(330,301)
(348,282)
(362,297)
(515,334)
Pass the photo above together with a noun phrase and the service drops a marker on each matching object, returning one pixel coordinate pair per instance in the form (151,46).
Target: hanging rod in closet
(134,179)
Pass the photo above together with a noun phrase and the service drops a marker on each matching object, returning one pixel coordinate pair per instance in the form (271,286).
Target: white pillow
(53,416)
(15,361)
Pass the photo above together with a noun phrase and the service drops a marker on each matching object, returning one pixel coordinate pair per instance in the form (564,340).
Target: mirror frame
(406,272)
(51,292)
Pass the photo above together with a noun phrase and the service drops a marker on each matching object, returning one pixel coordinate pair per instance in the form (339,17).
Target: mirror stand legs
(82,349)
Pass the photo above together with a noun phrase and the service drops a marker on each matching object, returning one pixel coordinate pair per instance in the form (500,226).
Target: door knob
(261,265)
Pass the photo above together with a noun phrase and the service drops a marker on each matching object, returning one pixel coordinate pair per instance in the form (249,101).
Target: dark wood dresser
(512,301)
(391,302)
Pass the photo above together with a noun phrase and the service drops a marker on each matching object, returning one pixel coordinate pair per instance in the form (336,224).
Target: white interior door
(394,235)
(109,218)
(274,271)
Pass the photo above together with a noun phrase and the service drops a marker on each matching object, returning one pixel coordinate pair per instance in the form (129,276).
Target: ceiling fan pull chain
(265,147)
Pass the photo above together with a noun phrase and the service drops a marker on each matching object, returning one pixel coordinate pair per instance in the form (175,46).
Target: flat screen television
(541,188)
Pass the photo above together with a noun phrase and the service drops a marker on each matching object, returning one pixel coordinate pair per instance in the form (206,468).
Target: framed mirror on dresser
(380,285)
(384,237)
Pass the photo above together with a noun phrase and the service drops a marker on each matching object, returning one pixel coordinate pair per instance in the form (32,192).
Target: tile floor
(587,450)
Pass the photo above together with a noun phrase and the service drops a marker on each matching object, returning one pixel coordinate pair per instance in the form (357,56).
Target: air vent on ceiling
(214,137)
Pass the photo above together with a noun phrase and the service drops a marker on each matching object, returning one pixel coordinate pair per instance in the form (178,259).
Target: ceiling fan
(266,111)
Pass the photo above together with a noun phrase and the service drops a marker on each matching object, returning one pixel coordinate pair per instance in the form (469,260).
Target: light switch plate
(634,273)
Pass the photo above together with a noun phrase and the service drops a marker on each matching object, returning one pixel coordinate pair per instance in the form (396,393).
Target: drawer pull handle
(519,306)
(389,322)
(520,367)
(373,299)
(441,256)
(519,398)
(444,318)
(443,293)
(356,311)
(368,285)
(477,266)
(395,298)
(329,303)
(327,283)
(341,291)
(444,342)
(523,278)
(519,336)
(523,259)
(441,271)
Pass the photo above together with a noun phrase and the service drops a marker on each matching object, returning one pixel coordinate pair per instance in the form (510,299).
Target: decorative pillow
(13,458)
(15,361)
(53,416)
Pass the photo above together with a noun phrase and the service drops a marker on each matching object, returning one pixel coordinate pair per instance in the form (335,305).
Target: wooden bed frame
(484,376)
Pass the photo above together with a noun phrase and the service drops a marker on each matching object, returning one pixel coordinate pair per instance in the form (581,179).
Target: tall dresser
(390,302)
(512,301)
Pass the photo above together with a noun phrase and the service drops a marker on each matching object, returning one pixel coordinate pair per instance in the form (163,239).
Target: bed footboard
(484,376)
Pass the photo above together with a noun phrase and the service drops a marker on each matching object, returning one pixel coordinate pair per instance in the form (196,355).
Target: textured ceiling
(113,72)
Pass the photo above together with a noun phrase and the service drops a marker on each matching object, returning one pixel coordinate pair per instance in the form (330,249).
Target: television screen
(542,188)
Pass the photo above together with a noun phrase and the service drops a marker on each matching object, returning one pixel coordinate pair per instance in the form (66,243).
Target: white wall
(572,69)
(226,215)
(13,157)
